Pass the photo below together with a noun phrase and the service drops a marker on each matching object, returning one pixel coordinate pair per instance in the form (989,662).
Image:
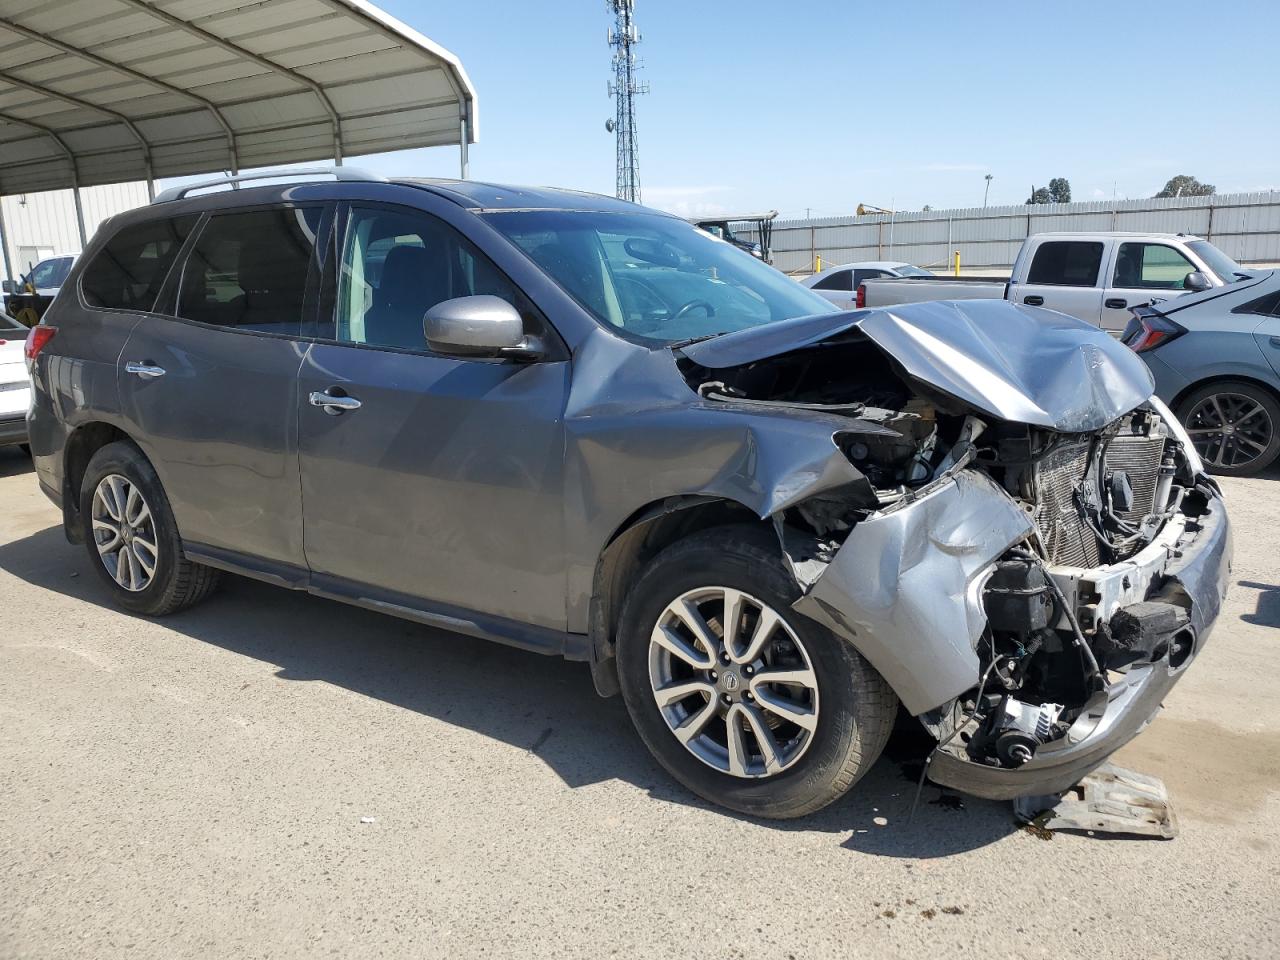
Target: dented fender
(905,587)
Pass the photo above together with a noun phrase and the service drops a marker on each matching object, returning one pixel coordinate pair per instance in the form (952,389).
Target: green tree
(1040,195)
(1060,190)
(1186,186)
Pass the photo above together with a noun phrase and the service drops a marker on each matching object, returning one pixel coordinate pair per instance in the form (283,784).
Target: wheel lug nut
(713,676)
(748,670)
(748,696)
(726,698)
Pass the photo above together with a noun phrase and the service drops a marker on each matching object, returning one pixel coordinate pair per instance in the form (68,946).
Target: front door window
(396,265)
(1151,266)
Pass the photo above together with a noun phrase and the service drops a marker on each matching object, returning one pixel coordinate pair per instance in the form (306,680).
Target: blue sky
(790,106)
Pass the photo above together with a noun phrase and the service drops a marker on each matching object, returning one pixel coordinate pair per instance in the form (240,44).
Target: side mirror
(1196,281)
(9,286)
(479,326)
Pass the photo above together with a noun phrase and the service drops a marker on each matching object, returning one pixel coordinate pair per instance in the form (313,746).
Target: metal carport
(108,91)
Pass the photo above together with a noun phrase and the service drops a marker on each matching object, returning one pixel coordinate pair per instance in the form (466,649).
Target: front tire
(131,536)
(777,717)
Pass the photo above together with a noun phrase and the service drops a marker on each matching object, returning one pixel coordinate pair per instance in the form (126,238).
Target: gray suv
(584,428)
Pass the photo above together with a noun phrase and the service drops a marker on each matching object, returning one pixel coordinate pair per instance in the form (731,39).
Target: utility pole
(986,191)
(624,88)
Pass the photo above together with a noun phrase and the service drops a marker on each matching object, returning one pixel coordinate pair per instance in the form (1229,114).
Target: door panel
(445,484)
(1142,272)
(433,478)
(1267,336)
(211,392)
(1064,275)
(837,287)
(220,425)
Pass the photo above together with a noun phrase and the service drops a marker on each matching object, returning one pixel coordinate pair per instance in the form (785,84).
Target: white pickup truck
(1098,277)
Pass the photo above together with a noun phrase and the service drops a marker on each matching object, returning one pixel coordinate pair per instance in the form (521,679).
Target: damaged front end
(1035,555)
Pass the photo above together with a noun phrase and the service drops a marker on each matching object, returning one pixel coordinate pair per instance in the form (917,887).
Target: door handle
(1115,303)
(1274,341)
(146,370)
(1033,301)
(334,401)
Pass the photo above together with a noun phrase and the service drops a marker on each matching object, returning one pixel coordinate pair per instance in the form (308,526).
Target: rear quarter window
(1265,306)
(127,273)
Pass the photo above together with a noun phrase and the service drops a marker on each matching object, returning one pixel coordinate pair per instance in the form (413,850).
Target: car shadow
(14,461)
(542,704)
(1266,613)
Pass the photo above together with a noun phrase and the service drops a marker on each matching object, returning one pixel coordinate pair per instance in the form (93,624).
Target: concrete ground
(274,775)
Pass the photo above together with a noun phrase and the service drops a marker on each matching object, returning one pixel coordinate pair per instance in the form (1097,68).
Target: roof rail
(340,173)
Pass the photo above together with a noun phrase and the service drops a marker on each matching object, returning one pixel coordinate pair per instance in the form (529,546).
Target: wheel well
(83,443)
(1262,385)
(637,541)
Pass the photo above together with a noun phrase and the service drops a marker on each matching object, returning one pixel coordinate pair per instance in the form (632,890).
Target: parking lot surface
(276,775)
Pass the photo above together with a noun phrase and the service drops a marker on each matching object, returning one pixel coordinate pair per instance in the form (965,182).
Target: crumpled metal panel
(1024,364)
(905,586)
(1017,363)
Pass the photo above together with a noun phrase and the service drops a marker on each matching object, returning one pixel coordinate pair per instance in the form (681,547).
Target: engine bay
(1096,499)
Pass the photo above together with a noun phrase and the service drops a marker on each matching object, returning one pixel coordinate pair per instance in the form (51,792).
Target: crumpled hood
(1021,364)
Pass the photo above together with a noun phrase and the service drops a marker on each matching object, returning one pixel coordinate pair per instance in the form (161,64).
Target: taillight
(1148,331)
(36,340)
(861,299)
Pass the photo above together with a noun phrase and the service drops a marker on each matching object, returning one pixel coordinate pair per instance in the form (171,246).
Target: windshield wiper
(691,340)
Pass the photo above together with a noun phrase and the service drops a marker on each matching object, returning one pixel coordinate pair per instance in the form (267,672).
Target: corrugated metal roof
(109,91)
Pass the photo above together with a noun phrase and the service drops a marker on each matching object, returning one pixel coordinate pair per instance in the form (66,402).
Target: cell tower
(624,88)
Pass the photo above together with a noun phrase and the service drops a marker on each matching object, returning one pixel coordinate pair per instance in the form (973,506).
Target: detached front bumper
(1200,567)
(905,589)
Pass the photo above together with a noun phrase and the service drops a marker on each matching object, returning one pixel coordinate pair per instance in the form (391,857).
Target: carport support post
(4,244)
(464,159)
(84,240)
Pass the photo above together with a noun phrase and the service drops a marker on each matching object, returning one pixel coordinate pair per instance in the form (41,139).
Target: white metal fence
(1246,226)
(40,225)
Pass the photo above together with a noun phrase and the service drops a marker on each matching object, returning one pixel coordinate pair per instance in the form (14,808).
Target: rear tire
(1234,426)
(131,536)
(844,718)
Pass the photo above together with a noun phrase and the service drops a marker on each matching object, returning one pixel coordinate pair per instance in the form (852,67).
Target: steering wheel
(694,305)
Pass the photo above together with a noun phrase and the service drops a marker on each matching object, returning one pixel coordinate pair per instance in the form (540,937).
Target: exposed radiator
(1139,457)
(1066,535)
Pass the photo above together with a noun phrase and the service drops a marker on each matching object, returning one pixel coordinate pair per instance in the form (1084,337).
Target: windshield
(1227,269)
(907,270)
(654,277)
(50,273)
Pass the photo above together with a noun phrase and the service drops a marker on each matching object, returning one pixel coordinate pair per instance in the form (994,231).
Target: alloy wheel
(124,532)
(1229,429)
(733,682)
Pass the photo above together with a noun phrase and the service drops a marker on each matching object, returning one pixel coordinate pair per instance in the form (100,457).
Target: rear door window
(840,280)
(128,272)
(1067,263)
(1150,266)
(249,270)
(50,273)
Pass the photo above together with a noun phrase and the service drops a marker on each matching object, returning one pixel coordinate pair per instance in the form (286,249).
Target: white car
(15,385)
(840,284)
